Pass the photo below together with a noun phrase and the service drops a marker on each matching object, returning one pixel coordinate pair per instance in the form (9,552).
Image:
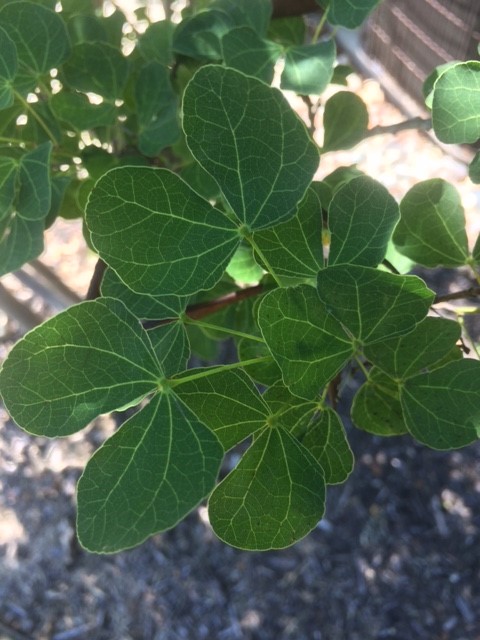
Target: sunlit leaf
(87,360)
(431,230)
(274,497)
(146,477)
(349,13)
(345,121)
(257,150)
(309,67)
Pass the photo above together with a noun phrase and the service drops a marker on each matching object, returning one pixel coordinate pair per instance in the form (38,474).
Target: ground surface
(397,555)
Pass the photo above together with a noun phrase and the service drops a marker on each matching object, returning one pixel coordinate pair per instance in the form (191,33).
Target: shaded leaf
(90,359)
(308,344)
(243,49)
(145,478)
(361,218)
(431,230)
(404,356)
(156,42)
(274,497)
(21,241)
(227,402)
(171,345)
(376,406)
(8,178)
(474,169)
(255,15)
(8,69)
(77,111)
(157,234)
(371,304)
(86,28)
(287,31)
(456,104)
(309,67)
(34,196)
(349,13)
(345,121)
(248,138)
(442,407)
(97,67)
(265,373)
(200,36)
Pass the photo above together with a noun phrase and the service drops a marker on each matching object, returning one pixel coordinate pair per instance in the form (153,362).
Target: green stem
(362,367)
(256,248)
(37,117)
(214,327)
(14,140)
(174,382)
(320,25)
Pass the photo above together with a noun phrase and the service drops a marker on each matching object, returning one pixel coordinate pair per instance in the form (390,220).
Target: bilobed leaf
(456,104)
(39,34)
(326,440)
(8,178)
(349,13)
(243,49)
(200,36)
(156,109)
(474,169)
(97,67)
(431,230)
(371,304)
(142,305)
(294,248)
(309,67)
(156,42)
(274,497)
(308,344)
(376,406)
(247,137)
(21,241)
(361,218)
(76,110)
(145,478)
(442,407)
(172,347)
(8,69)
(34,195)
(90,359)
(404,356)
(227,402)
(157,234)
(345,121)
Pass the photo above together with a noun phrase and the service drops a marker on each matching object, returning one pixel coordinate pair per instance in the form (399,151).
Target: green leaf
(243,49)
(145,478)
(429,83)
(243,268)
(326,440)
(127,208)
(294,248)
(339,177)
(349,13)
(8,69)
(227,402)
(308,344)
(361,219)
(442,407)
(431,230)
(90,359)
(476,250)
(274,497)
(200,181)
(97,67)
(255,15)
(35,191)
(404,356)
(39,34)
(155,44)
(373,305)
(376,406)
(474,169)
(60,184)
(309,67)
(265,373)
(170,343)
(248,138)
(345,121)
(76,110)
(8,178)
(200,36)
(287,31)
(21,241)
(156,109)
(456,104)
(86,28)
(142,305)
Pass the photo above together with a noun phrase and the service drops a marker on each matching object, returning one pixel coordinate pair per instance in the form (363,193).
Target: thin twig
(424,124)
(94,286)
(472,292)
